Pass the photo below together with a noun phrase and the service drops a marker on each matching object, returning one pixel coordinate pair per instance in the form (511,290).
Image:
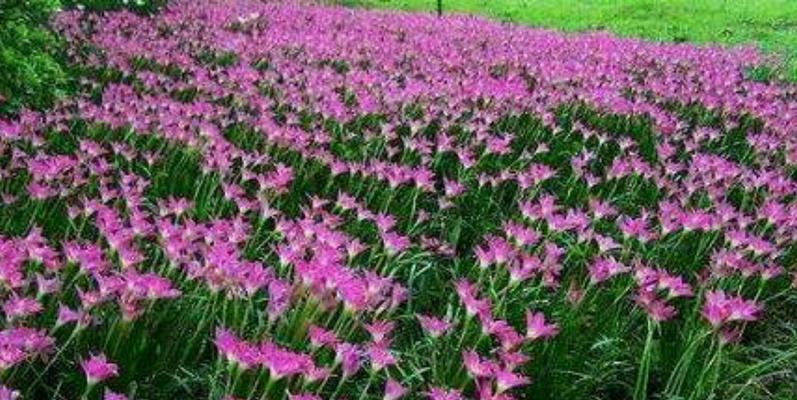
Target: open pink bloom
(522,235)
(605,268)
(21,307)
(484,256)
(8,394)
(720,309)
(97,369)
(656,308)
(303,397)
(46,285)
(506,380)
(110,395)
(348,356)
(21,343)
(537,328)
(675,285)
(282,362)
(320,337)
(279,300)
(512,359)
(236,351)
(393,390)
(313,373)
(379,330)
(67,315)
(380,356)
(467,295)
(11,356)
(477,367)
(226,343)
(395,243)
(510,338)
(148,286)
(501,250)
(437,393)
(433,326)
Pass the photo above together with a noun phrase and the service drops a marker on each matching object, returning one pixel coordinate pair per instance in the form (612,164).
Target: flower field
(249,200)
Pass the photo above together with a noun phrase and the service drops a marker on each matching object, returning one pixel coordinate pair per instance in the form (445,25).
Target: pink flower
(21,307)
(45,285)
(393,390)
(657,309)
(8,394)
(394,242)
(379,330)
(97,369)
(19,344)
(506,380)
(433,326)
(320,337)
(385,222)
(281,362)
(66,315)
(303,397)
(720,309)
(502,252)
(467,295)
(522,235)
(437,393)
(380,356)
(675,285)
(234,350)
(348,356)
(279,298)
(506,334)
(475,366)
(536,328)
(148,286)
(602,269)
(601,209)
(484,255)
(452,188)
(315,374)
(110,395)
(513,359)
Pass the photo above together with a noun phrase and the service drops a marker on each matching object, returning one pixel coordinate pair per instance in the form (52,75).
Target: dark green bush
(143,6)
(30,71)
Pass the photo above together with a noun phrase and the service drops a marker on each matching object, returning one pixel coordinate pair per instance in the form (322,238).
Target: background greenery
(32,71)
(770,24)
(145,6)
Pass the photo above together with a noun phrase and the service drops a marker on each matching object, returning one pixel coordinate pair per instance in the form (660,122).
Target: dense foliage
(138,6)
(30,73)
(262,201)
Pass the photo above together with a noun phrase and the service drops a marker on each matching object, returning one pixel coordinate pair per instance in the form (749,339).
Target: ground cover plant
(250,200)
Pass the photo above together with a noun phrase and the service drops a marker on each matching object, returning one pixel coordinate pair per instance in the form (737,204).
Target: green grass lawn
(771,24)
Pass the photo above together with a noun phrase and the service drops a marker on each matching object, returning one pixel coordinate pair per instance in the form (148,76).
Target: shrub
(142,6)
(30,72)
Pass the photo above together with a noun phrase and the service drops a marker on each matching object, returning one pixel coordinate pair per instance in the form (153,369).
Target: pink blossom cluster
(386,204)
